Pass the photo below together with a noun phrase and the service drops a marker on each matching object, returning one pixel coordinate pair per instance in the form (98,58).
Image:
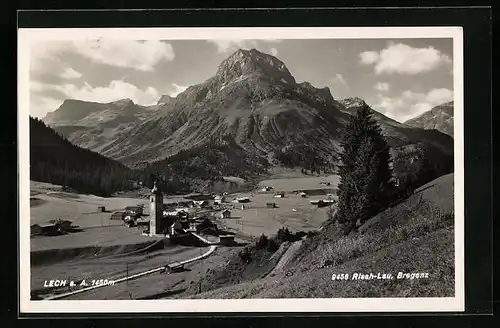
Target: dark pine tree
(366,185)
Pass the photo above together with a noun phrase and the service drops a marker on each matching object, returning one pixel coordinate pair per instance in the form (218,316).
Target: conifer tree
(366,185)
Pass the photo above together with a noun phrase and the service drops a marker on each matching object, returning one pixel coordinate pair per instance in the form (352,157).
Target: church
(157,226)
(160,223)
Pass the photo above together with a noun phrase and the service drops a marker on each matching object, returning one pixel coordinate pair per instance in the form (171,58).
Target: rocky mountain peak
(165,100)
(123,102)
(252,62)
(439,118)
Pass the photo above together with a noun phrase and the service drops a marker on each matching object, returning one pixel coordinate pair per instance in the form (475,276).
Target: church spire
(156,188)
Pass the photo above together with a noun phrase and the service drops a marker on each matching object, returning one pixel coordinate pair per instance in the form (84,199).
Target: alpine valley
(251,114)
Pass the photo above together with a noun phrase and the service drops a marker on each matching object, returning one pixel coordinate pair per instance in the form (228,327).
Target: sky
(400,78)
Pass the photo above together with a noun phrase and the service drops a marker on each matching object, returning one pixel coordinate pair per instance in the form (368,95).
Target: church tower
(155,210)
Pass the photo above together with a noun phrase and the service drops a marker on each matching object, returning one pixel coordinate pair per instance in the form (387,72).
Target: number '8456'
(340,276)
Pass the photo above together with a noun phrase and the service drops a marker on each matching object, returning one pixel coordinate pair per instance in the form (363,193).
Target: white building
(225,214)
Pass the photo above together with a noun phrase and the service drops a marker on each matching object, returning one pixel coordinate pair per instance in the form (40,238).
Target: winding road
(138,275)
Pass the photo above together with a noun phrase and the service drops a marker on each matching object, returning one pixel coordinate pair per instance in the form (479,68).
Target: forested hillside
(188,170)
(55,160)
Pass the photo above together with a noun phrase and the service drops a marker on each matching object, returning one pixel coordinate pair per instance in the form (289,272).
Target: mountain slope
(415,236)
(439,118)
(252,105)
(252,99)
(92,125)
(55,160)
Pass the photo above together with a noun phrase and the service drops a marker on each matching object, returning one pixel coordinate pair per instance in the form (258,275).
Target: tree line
(55,160)
(187,170)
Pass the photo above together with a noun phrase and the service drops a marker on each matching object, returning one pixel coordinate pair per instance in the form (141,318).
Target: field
(291,182)
(49,202)
(292,211)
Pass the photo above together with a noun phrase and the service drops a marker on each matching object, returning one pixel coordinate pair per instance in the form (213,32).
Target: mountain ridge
(252,102)
(54,159)
(439,118)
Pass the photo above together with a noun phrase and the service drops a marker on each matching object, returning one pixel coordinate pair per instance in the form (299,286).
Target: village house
(177,213)
(219,200)
(225,214)
(270,205)
(279,195)
(242,200)
(200,203)
(267,188)
(117,216)
(178,227)
(325,202)
(63,225)
(134,210)
(45,229)
(226,240)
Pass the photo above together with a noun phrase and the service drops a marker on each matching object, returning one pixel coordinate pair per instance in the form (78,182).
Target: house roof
(47,225)
(133,207)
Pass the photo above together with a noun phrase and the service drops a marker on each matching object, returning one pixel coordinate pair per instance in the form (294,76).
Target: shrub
(284,234)
(245,255)
(272,246)
(262,242)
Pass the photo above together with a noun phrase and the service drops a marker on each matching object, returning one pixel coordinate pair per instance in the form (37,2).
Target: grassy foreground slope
(414,236)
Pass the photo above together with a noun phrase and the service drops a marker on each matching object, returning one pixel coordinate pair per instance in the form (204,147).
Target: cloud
(177,89)
(338,81)
(369,57)
(36,86)
(226,46)
(70,73)
(116,90)
(340,78)
(139,55)
(46,55)
(274,52)
(411,104)
(338,86)
(403,59)
(382,86)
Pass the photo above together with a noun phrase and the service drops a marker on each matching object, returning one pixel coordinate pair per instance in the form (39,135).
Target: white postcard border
(26,37)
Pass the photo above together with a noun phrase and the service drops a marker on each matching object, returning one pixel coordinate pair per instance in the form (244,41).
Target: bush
(262,242)
(300,234)
(311,234)
(246,255)
(272,246)
(284,234)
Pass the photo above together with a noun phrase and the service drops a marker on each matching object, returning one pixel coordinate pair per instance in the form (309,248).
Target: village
(90,237)
(197,213)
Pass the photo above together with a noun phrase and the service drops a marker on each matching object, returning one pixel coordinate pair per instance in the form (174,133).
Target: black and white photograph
(241,169)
